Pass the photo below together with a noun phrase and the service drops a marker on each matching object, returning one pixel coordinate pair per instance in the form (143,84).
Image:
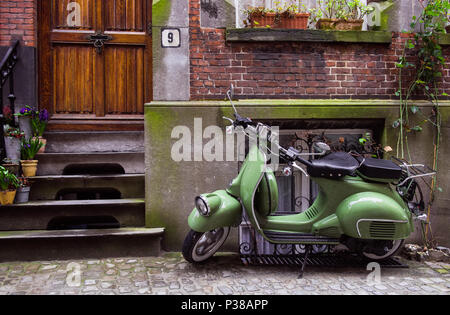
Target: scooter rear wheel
(199,247)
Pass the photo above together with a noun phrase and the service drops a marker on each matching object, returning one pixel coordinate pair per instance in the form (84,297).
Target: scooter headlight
(202,206)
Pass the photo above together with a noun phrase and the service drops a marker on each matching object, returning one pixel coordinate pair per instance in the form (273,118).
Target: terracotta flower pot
(44,142)
(299,21)
(262,20)
(7,197)
(29,167)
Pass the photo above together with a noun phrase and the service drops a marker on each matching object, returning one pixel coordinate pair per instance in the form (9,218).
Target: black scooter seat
(380,169)
(333,166)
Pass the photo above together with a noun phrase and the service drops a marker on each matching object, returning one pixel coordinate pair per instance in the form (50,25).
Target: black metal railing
(7,66)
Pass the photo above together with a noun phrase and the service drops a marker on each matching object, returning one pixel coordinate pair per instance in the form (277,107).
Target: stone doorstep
(44,234)
(54,163)
(36,215)
(47,187)
(75,203)
(94,141)
(80,244)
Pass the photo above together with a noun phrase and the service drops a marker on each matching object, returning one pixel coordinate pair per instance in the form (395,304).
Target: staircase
(87,201)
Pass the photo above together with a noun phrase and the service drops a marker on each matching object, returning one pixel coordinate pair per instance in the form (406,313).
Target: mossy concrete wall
(170,65)
(171,186)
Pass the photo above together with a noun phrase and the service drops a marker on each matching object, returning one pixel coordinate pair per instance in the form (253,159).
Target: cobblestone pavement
(171,274)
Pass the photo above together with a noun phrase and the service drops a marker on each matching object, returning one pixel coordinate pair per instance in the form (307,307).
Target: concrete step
(55,163)
(79,244)
(47,187)
(36,215)
(94,141)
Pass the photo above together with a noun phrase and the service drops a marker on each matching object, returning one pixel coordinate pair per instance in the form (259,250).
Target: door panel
(128,15)
(73,69)
(79,79)
(69,14)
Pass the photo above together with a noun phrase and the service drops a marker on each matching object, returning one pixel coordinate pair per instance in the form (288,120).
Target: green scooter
(366,204)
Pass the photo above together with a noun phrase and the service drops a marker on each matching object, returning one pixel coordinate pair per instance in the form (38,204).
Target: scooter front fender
(227,212)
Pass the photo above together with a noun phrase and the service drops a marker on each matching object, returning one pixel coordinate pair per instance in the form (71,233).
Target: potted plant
(11,165)
(13,138)
(8,186)
(287,16)
(23,191)
(39,121)
(25,115)
(344,15)
(29,150)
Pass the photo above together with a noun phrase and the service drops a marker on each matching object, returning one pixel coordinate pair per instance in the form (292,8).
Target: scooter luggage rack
(412,170)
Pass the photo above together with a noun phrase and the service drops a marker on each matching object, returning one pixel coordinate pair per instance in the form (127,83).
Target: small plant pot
(12,146)
(12,168)
(23,195)
(25,126)
(29,167)
(7,197)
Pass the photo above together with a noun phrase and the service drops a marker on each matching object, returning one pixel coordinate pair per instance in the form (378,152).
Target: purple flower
(43,115)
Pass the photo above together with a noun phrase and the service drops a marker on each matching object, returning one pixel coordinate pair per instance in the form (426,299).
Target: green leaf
(417,128)
(414,109)
(399,65)
(444,94)
(396,124)
(439,189)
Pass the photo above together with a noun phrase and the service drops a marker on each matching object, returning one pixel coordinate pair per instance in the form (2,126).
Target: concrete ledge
(80,244)
(269,35)
(37,215)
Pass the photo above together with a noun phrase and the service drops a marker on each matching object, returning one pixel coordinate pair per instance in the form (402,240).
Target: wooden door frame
(45,87)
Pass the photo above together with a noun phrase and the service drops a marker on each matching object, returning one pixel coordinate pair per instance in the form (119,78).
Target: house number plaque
(170,38)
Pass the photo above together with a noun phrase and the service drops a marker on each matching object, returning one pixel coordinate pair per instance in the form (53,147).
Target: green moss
(161,12)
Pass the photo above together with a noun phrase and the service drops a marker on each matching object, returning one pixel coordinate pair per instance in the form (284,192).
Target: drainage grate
(319,260)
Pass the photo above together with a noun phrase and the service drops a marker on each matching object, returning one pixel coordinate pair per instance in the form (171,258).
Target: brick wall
(292,69)
(18,21)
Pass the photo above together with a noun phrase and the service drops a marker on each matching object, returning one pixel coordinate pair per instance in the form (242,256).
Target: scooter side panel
(371,215)
(228,212)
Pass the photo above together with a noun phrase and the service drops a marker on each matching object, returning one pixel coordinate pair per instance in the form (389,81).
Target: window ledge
(444,39)
(290,35)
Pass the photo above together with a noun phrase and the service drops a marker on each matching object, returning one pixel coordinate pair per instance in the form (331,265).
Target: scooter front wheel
(199,247)
(388,251)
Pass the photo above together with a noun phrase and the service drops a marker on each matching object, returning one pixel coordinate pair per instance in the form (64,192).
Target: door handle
(99,39)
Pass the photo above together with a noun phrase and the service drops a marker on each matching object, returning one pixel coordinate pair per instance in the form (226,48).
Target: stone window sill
(444,39)
(272,35)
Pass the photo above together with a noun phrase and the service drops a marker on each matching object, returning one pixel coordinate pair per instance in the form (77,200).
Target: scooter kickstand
(305,259)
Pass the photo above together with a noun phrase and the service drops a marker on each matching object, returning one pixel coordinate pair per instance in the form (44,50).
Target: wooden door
(95,58)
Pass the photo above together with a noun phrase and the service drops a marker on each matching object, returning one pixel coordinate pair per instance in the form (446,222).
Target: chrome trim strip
(377,220)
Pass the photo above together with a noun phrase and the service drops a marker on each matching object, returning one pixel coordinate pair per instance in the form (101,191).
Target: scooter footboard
(370,215)
(225,211)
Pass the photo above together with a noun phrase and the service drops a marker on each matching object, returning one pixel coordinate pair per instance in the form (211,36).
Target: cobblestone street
(224,275)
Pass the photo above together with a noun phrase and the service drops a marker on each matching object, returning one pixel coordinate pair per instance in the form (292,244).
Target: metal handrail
(7,66)
(8,62)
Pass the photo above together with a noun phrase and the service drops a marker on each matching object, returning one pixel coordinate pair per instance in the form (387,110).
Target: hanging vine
(425,75)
